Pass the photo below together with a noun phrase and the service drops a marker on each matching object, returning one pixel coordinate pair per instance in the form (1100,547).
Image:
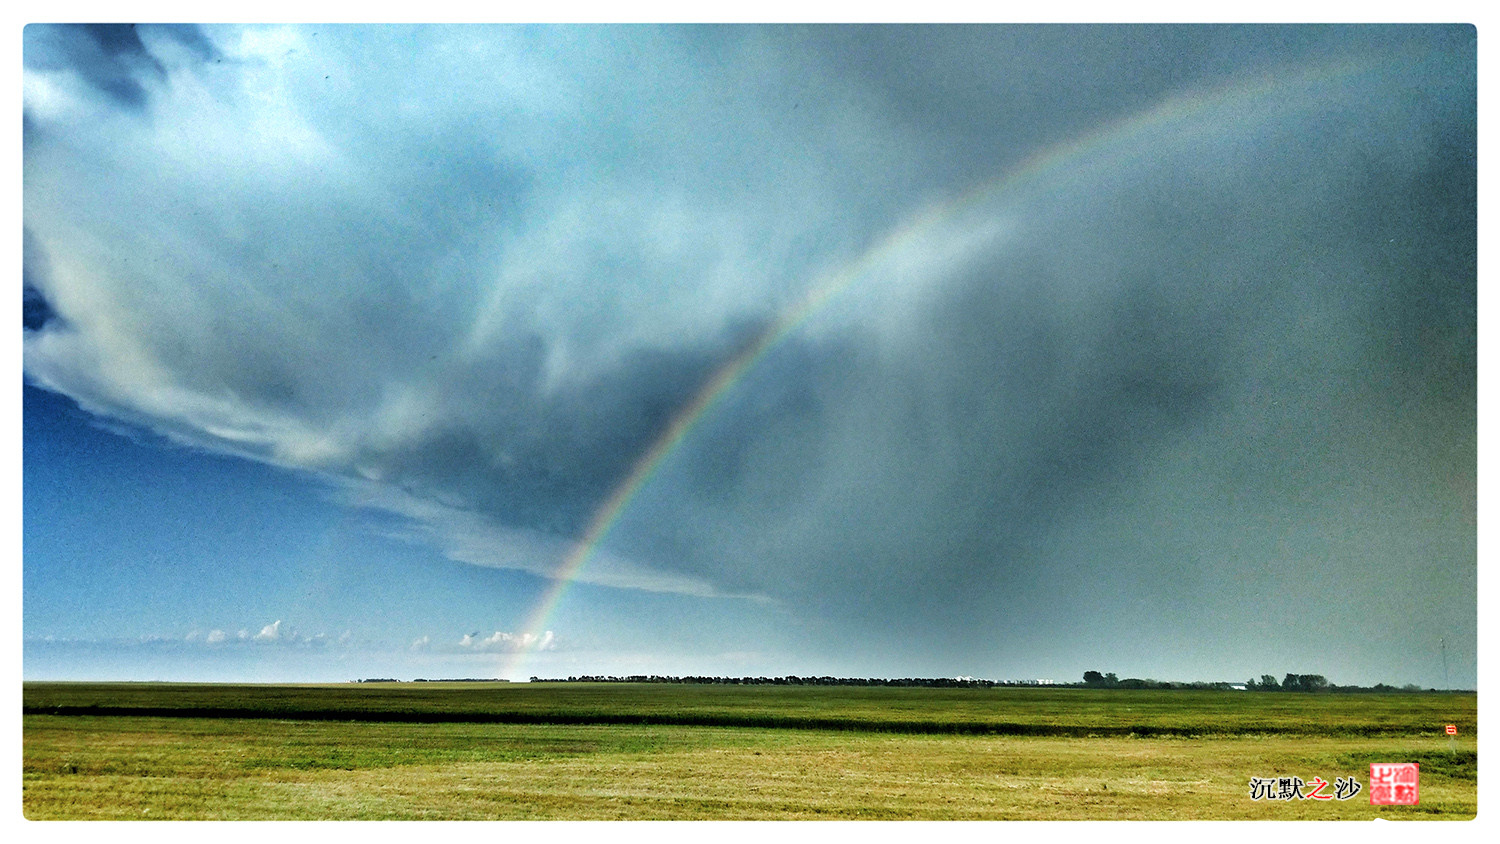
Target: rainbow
(1131,134)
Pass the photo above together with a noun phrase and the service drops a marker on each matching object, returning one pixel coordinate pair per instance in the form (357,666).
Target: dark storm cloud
(35,312)
(545,463)
(1220,357)
(111,58)
(995,94)
(1181,379)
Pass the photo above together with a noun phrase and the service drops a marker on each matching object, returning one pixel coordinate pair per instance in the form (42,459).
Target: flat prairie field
(608,751)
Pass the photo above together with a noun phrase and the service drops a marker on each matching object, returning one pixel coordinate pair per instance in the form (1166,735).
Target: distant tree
(1111,680)
(1268,683)
(1093,678)
(1304,683)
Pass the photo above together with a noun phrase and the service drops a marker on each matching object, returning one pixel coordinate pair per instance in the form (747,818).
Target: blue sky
(1138,349)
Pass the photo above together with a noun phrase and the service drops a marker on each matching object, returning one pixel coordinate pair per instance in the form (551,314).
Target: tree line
(1291,683)
(790,680)
(1091,680)
(1096,680)
(1266,683)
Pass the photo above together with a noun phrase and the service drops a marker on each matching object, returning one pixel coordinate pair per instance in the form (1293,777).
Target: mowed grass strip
(1011,711)
(203,768)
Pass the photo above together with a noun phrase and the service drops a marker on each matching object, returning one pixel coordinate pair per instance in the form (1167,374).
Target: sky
(890,351)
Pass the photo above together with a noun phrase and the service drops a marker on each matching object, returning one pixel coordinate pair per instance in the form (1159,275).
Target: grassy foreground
(402,759)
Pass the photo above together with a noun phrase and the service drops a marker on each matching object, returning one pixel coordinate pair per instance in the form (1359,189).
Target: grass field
(610,751)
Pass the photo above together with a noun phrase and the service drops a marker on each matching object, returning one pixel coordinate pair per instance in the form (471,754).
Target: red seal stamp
(1393,783)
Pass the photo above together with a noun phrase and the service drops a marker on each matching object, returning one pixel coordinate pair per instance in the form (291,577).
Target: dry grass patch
(118,767)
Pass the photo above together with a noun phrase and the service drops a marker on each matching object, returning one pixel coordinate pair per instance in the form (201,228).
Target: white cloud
(271,636)
(500,642)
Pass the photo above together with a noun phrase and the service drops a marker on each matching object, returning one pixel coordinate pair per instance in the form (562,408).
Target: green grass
(1013,711)
(281,767)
